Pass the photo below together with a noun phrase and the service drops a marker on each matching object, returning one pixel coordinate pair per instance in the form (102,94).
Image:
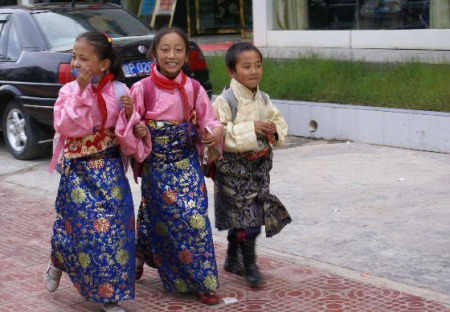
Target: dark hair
(233,52)
(164,31)
(104,49)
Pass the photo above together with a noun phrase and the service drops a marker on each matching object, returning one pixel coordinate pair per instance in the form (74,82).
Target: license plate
(136,68)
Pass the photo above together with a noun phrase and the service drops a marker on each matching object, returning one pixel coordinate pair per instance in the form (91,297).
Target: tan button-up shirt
(240,135)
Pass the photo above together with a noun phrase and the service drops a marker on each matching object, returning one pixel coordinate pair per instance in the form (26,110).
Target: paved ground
(369,233)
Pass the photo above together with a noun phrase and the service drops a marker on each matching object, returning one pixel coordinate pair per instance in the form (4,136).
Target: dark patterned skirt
(241,194)
(174,231)
(93,237)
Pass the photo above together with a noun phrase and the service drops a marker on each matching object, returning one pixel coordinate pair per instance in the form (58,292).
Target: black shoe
(139,268)
(252,275)
(233,265)
(233,261)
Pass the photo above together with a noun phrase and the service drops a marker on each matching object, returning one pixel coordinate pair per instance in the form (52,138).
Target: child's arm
(277,124)
(140,131)
(72,112)
(213,138)
(130,144)
(206,120)
(128,105)
(263,127)
(238,138)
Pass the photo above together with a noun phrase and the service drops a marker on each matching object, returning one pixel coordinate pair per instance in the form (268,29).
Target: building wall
(266,35)
(413,129)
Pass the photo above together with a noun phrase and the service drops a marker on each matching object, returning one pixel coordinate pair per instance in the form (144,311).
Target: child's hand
(84,77)
(213,138)
(128,104)
(261,127)
(140,131)
(272,127)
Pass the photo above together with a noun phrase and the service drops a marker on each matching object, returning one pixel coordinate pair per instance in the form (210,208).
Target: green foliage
(411,85)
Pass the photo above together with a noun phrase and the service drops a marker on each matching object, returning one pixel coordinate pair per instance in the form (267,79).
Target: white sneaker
(52,276)
(112,307)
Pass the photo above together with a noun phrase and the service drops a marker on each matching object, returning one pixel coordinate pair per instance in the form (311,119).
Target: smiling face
(171,54)
(84,56)
(248,69)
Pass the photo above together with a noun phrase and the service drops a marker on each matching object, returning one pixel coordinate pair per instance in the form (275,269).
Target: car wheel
(20,132)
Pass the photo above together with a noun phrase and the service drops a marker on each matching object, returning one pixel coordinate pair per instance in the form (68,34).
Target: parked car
(35,53)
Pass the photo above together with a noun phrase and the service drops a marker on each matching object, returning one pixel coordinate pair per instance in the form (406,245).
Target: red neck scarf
(168,84)
(101,101)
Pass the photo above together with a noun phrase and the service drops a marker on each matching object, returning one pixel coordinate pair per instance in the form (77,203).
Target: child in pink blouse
(173,115)
(93,237)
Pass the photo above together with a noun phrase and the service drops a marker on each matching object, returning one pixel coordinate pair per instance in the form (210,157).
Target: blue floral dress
(93,237)
(174,231)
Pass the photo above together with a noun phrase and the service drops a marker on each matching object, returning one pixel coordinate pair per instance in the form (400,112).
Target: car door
(21,133)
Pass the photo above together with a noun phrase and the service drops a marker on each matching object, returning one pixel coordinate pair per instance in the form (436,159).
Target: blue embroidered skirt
(93,237)
(174,231)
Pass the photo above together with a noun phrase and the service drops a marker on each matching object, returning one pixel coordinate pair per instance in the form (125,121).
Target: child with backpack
(252,125)
(173,115)
(93,237)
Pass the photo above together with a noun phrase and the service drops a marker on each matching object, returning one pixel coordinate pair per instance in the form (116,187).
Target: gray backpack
(232,101)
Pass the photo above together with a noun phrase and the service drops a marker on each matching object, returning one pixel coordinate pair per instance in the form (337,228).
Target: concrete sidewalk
(369,233)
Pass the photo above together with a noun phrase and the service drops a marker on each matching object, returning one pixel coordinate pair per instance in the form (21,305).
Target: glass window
(394,14)
(60,28)
(361,14)
(3,18)
(8,2)
(13,49)
(219,14)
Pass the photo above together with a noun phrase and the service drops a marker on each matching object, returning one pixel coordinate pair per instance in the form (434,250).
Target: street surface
(370,213)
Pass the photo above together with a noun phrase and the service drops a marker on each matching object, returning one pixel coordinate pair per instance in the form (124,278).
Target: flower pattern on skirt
(174,231)
(242,196)
(93,237)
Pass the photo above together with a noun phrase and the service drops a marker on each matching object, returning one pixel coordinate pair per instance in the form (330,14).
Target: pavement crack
(6,175)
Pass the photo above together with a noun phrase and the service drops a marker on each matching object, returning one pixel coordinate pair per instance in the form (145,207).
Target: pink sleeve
(129,144)
(205,117)
(72,111)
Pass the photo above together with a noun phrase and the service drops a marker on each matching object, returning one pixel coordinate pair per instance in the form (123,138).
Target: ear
(105,64)
(186,59)
(231,72)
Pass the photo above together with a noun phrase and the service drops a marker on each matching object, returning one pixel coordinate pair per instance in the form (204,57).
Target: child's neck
(253,90)
(171,77)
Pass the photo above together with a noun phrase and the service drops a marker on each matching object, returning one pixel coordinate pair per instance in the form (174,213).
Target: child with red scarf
(93,237)
(174,117)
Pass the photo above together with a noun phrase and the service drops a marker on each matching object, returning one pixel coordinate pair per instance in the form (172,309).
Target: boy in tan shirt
(252,125)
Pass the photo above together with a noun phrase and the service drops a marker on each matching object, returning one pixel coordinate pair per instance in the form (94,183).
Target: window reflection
(361,14)
(223,16)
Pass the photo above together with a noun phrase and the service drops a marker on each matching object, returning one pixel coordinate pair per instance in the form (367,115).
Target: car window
(13,48)
(62,27)
(3,20)
(2,23)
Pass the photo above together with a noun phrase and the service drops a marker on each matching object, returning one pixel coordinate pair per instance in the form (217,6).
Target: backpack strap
(119,90)
(232,101)
(149,93)
(265,97)
(196,86)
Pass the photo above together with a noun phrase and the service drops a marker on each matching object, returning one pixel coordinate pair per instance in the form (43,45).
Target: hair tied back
(107,37)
